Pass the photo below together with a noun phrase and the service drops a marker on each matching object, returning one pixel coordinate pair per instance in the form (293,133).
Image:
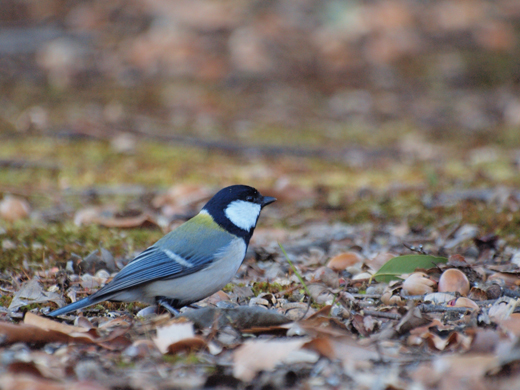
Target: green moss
(5,300)
(124,363)
(182,358)
(266,287)
(228,288)
(56,243)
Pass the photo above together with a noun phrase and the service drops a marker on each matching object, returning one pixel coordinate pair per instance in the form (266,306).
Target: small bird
(191,262)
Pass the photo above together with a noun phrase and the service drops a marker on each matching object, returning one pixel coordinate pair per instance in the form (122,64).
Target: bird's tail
(85,302)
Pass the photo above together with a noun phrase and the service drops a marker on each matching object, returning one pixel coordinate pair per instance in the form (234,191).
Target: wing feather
(195,243)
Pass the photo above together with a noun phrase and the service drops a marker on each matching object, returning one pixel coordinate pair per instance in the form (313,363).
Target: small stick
(382,314)
(510,293)
(371,296)
(442,309)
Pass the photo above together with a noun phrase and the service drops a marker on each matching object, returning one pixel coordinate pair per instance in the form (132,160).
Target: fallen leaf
(342,261)
(406,264)
(31,334)
(354,356)
(108,217)
(188,344)
(32,292)
(173,333)
(47,324)
(323,345)
(418,283)
(511,324)
(13,208)
(26,382)
(263,355)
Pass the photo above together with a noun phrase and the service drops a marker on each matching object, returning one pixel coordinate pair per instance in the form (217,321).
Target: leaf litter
(359,306)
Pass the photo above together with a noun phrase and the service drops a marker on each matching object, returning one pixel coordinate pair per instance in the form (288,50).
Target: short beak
(267,200)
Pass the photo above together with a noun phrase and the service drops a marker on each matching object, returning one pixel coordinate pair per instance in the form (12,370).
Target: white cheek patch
(243,214)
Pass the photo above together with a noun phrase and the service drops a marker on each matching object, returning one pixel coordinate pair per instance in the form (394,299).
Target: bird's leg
(168,304)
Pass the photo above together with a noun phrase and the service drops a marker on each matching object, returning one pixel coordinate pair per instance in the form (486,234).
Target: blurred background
(261,71)
(119,119)
(317,100)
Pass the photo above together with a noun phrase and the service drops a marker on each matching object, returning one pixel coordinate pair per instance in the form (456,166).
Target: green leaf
(406,264)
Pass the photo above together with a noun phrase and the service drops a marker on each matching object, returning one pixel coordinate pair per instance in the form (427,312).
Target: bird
(191,262)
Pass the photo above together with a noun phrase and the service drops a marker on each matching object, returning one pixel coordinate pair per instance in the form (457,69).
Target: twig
(365,304)
(510,293)
(412,297)
(442,309)
(369,296)
(486,302)
(382,314)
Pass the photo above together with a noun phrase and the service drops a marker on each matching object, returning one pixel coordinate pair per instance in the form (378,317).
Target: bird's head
(237,208)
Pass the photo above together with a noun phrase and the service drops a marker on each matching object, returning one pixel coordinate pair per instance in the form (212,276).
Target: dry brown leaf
(141,349)
(107,217)
(172,333)
(48,324)
(219,296)
(42,331)
(505,279)
(263,355)
(342,261)
(32,292)
(31,334)
(27,382)
(354,356)
(511,324)
(502,309)
(323,345)
(434,341)
(13,208)
(463,371)
(116,323)
(380,259)
(188,344)
(418,283)
(435,323)
(127,222)
(484,340)
(327,276)
(413,319)
(478,294)
(24,368)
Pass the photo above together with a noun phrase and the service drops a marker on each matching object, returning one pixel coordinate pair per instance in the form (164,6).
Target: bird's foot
(168,304)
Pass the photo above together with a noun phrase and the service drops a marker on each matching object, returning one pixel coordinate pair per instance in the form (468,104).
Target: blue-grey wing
(150,265)
(183,251)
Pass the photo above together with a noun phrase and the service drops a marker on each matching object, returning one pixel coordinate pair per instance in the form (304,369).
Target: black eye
(250,198)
